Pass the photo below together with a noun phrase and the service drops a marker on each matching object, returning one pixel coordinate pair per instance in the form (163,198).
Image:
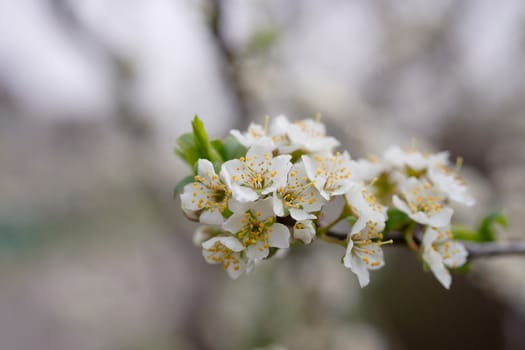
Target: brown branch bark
(475,249)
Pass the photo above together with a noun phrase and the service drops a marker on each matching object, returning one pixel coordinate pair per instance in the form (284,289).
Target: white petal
(257,251)
(454,254)
(347,259)
(304,231)
(429,237)
(435,262)
(229,242)
(234,271)
(211,217)
(401,205)
(264,207)
(310,166)
(238,207)
(281,166)
(201,234)
(299,214)
(278,206)
(205,169)
(359,225)
(442,218)
(234,223)
(279,237)
(191,196)
(371,255)
(360,269)
(279,125)
(230,169)
(240,137)
(243,194)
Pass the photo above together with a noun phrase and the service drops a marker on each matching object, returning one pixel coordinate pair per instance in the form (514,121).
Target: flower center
(255,230)
(221,254)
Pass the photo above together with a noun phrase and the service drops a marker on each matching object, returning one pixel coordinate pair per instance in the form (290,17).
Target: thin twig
(488,249)
(475,249)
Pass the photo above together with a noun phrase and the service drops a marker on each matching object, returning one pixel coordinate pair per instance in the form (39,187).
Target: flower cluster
(266,189)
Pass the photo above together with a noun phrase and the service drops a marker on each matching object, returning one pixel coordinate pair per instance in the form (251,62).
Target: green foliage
(262,40)
(196,145)
(180,185)
(487,226)
(202,144)
(385,188)
(186,149)
(397,220)
(230,148)
(486,231)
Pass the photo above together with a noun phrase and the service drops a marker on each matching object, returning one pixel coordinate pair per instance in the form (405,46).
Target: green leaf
(351,220)
(262,40)
(463,269)
(233,149)
(203,145)
(218,145)
(488,225)
(180,185)
(186,149)
(397,220)
(465,233)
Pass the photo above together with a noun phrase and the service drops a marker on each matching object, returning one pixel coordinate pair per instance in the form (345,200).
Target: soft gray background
(94,251)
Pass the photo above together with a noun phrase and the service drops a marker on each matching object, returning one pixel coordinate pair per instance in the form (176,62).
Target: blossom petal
(229,242)
(401,205)
(442,218)
(257,251)
(205,169)
(264,207)
(304,231)
(234,223)
(454,253)
(244,194)
(211,217)
(278,206)
(279,237)
(435,262)
(358,267)
(235,270)
(300,214)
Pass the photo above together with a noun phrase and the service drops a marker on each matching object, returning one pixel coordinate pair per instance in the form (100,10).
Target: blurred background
(95,252)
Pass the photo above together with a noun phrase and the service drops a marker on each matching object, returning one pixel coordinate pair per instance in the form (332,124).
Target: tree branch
(229,58)
(475,249)
(488,249)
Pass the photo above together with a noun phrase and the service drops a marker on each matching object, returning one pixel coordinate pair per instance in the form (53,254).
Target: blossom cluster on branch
(267,188)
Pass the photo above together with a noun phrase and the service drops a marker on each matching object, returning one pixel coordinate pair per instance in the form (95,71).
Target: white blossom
(256,134)
(370,168)
(396,157)
(304,231)
(310,135)
(257,174)
(441,251)
(330,174)
(367,208)
(299,197)
(226,251)
(273,135)
(364,253)
(423,203)
(254,224)
(449,183)
(207,197)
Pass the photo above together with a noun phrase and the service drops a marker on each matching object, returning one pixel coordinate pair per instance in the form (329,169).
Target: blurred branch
(487,249)
(231,65)
(475,249)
